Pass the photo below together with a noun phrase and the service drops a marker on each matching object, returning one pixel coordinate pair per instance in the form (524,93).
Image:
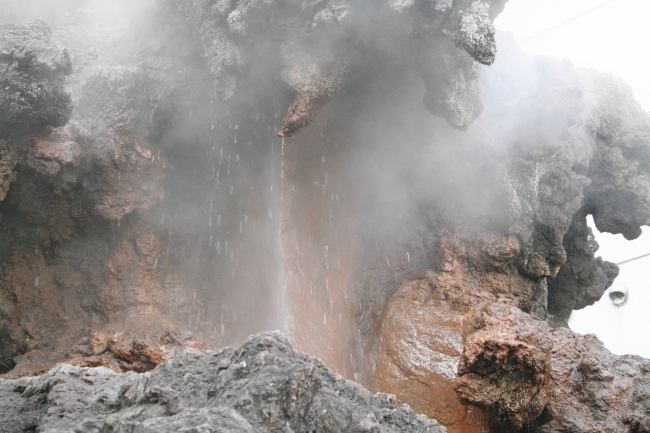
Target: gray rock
(263,385)
(315,48)
(32,75)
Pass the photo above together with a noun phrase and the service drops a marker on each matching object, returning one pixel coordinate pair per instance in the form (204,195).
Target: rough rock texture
(32,79)
(530,162)
(263,385)
(32,99)
(67,178)
(506,364)
(316,46)
(582,280)
(528,375)
(418,357)
(158,216)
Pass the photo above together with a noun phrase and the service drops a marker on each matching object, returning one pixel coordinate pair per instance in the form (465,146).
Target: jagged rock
(420,341)
(131,350)
(262,385)
(504,368)
(104,164)
(451,77)
(420,345)
(529,376)
(619,196)
(8,161)
(533,183)
(584,278)
(383,213)
(317,46)
(32,78)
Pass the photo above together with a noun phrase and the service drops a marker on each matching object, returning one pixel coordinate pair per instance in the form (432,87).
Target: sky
(608,35)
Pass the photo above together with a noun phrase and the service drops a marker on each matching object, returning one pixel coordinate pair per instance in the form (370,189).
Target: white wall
(624,329)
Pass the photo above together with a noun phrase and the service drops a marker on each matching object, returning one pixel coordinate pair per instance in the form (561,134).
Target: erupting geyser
(370,177)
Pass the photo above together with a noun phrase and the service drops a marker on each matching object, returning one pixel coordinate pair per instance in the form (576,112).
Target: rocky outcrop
(315,49)
(73,174)
(534,248)
(33,75)
(32,99)
(262,385)
(385,239)
(529,376)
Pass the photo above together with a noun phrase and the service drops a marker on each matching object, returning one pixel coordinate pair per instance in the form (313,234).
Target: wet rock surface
(421,256)
(531,376)
(33,75)
(262,385)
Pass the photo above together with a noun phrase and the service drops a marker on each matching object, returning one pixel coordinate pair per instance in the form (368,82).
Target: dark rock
(529,376)
(583,279)
(32,80)
(314,49)
(451,77)
(262,385)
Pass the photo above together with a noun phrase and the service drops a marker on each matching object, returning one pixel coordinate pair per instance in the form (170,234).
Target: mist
(226,168)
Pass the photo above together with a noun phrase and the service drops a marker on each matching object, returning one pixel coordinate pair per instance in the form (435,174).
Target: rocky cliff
(373,177)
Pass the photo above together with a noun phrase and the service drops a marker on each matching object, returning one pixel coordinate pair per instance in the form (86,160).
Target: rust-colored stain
(319,247)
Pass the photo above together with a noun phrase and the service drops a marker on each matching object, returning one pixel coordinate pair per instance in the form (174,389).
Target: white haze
(612,38)
(117,13)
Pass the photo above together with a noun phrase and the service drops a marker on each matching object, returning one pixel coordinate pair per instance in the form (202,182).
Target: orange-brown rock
(130,351)
(419,349)
(530,377)
(64,152)
(505,371)
(420,339)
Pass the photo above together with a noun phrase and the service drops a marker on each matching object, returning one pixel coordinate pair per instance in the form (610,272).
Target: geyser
(371,177)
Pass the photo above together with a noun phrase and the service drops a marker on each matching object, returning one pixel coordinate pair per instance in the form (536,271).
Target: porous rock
(262,385)
(533,378)
(317,46)
(32,79)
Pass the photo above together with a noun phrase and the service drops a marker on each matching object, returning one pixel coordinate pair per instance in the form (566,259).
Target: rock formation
(263,385)
(148,207)
(551,380)
(316,46)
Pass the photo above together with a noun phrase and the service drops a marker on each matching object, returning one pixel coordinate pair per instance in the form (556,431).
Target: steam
(116,13)
(259,232)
